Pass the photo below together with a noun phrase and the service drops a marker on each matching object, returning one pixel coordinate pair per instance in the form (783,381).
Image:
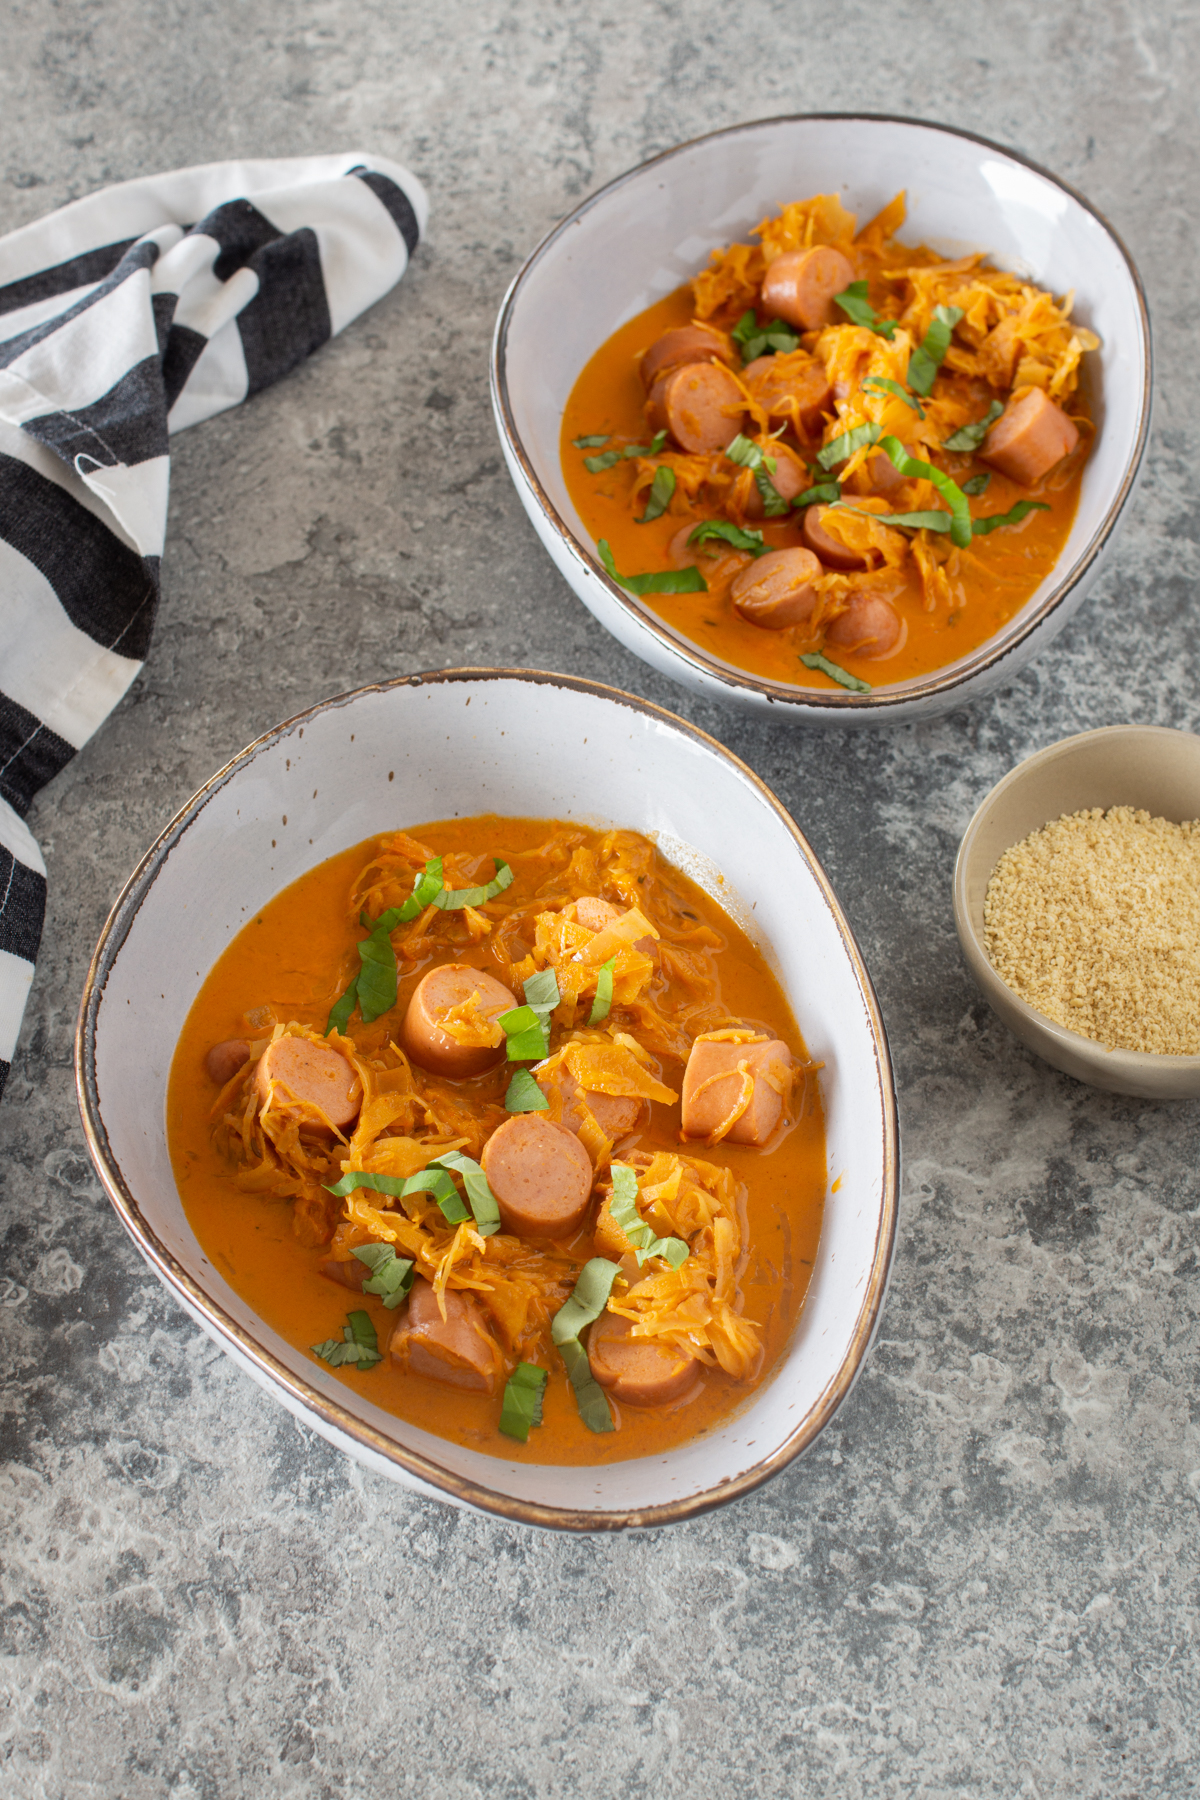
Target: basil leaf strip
(451,899)
(824,494)
(914,521)
(971,436)
(1020,511)
(929,355)
(952,494)
(858,309)
(661,490)
(524,1094)
(588,1300)
(754,340)
(774,504)
(978,483)
(522,1405)
(814,660)
(590,1397)
(527,1037)
(391,1275)
(590,443)
(740,538)
(623,1208)
(483,1201)
(358,1344)
(430,1181)
(541,991)
(604,992)
(596,464)
(745,451)
(665,581)
(842,448)
(882,384)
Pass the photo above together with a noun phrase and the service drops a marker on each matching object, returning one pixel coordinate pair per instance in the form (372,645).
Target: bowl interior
(652,229)
(460,744)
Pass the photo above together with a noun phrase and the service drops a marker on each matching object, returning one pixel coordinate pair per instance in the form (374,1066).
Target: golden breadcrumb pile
(1095,921)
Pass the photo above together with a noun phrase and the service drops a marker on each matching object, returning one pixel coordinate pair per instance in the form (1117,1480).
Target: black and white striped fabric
(123,318)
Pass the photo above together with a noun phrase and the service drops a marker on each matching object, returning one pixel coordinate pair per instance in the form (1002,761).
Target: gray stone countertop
(982,1580)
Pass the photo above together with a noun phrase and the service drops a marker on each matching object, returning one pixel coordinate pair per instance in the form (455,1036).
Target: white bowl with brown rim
(1144,766)
(516,742)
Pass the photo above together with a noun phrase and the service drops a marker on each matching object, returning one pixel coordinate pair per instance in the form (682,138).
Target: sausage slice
(790,478)
(541,1176)
(615,1114)
(638,1371)
(801,394)
(1029,437)
(435,995)
(294,1069)
(870,625)
(801,284)
(685,344)
(778,589)
(712,1087)
(352,1274)
(832,552)
(592,911)
(458,1349)
(224,1060)
(701,406)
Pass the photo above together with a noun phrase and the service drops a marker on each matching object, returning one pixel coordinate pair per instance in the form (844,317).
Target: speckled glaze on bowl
(514,742)
(649,230)
(1145,766)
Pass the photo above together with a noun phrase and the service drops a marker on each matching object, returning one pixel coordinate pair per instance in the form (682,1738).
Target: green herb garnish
(858,309)
(391,1275)
(661,490)
(522,1405)
(842,448)
(971,436)
(977,484)
(451,899)
(748,454)
(480,1195)
(1020,511)
(590,443)
(915,470)
(883,384)
(595,465)
(824,494)
(524,1094)
(527,1027)
(434,1180)
(623,1208)
(587,1302)
(812,659)
(604,992)
(912,521)
(590,1397)
(740,538)
(358,1344)
(754,340)
(662,581)
(929,355)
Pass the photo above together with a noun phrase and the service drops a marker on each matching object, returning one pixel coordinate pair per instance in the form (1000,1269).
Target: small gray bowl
(1144,766)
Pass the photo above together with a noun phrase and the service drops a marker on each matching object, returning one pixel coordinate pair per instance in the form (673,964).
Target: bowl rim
(1137,1063)
(940,685)
(330,1411)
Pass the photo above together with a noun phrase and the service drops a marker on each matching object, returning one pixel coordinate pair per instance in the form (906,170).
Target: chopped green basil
(623,1207)
(480,1195)
(661,490)
(358,1344)
(595,465)
(522,1405)
(882,384)
(391,1275)
(928,357)
(590,1397)
(812,659)
(736,535)
(824,494)
(971,436)
(452,899)
(1020,511)
(524,1094)
(602,1004)
(843,447)
(915,470)
(664,581)
(588,1300)
(978,483)
(527,1038)
(858,309)
(433,1180)
(773,502)
(590,443)
(754,340)
(746,452)
(912,521)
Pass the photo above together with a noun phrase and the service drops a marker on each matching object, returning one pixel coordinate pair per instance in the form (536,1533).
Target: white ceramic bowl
(647,232)
(513,742)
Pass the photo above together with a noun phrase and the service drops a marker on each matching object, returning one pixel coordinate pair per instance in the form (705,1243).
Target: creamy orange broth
(295,957)
(608,398)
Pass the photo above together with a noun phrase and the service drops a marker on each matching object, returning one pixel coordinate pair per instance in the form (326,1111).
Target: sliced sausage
(832,552)
(224,1060)
(778,589)
(593,912)
(800,394)
(541,1176)
(435,995)
(458,1349)
(638,1371)
(702,407)
(1029,437)
(352,1274)
(712,1086)
(297,1075)
(883,475)
(801,284)
(685,344)
(870,625)
(615,1114)
(790,478)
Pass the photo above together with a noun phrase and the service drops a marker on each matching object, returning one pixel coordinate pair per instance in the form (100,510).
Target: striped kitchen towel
(124,317)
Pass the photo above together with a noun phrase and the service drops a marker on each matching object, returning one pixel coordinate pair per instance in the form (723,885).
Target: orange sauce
(608,398)
(295,957)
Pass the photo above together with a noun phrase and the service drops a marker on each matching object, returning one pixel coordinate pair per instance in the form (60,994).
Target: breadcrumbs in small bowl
(1077,900)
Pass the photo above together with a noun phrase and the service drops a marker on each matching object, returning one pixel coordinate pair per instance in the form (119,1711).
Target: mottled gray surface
(983,1579)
